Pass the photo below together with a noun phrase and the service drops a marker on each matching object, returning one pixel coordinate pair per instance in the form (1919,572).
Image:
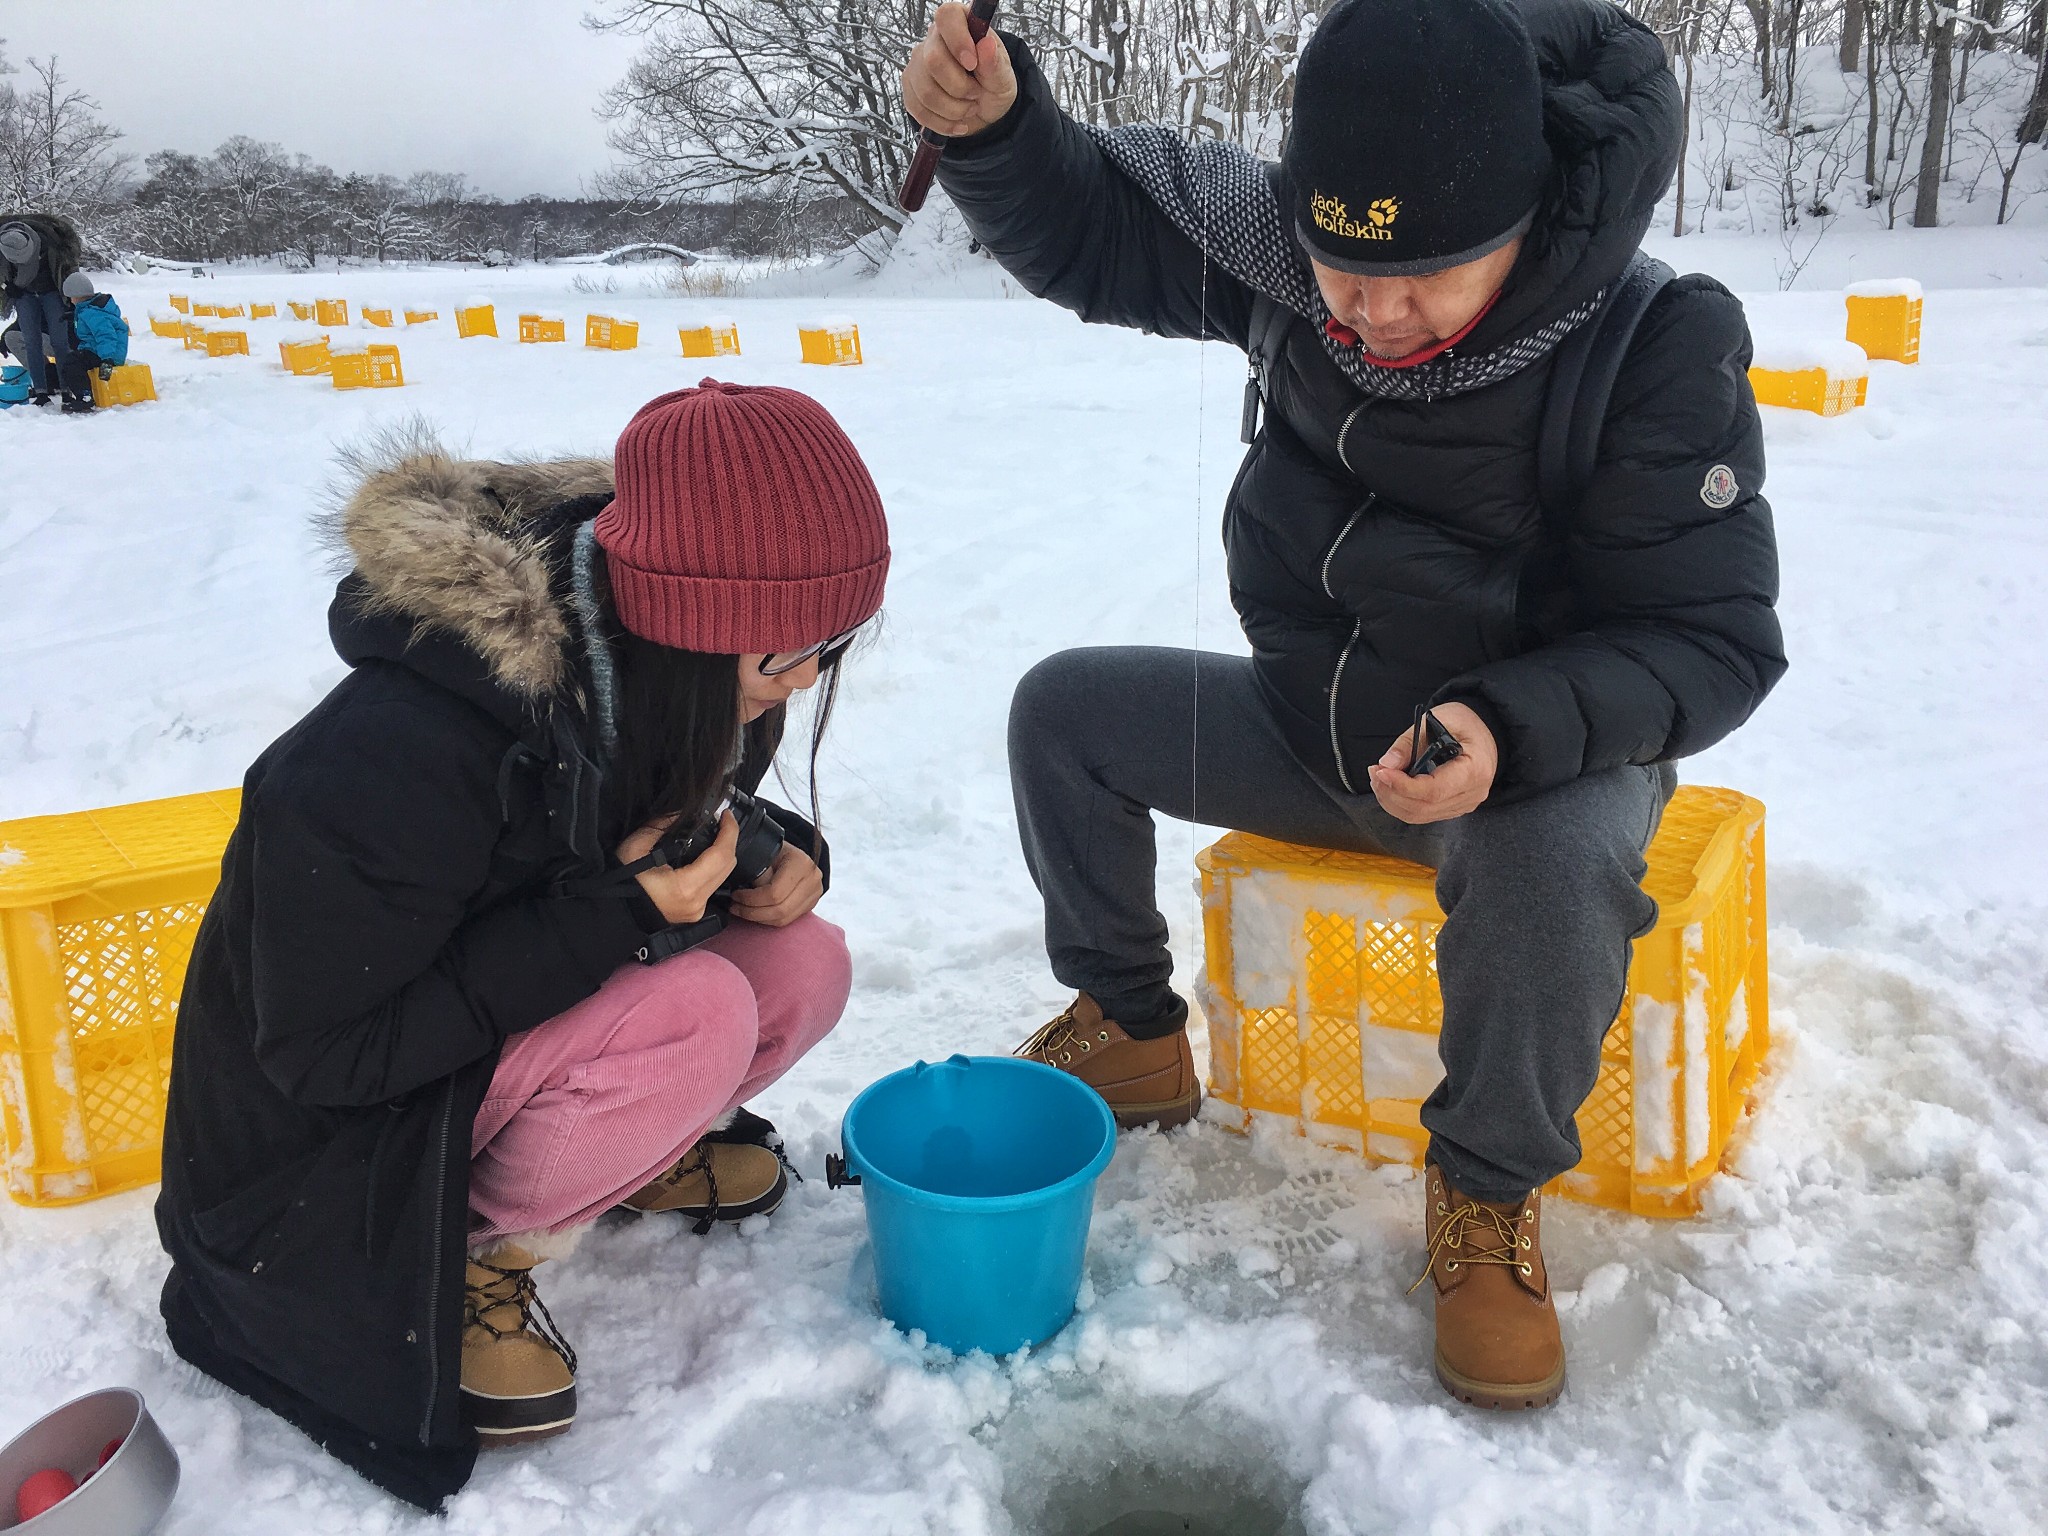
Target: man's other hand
(1455,787)
(954,86)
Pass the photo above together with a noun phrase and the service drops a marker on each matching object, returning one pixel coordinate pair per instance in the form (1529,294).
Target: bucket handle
(836,1174)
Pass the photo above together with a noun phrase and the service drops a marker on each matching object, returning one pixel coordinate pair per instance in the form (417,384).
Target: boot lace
(1479,1234)
(1054,1037)
(514,1288)
(693,1162)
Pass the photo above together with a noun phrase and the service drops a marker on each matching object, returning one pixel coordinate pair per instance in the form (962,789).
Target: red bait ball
(107,1451)
(43,1490)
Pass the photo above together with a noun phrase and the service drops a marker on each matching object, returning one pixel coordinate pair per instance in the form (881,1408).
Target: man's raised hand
(954,86)
(1455,787)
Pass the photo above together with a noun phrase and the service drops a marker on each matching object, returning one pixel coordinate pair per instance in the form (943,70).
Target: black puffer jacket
(1384,552)
(383,923)
(61,253)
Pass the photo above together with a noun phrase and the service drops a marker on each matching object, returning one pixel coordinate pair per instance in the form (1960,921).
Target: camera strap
(677,937)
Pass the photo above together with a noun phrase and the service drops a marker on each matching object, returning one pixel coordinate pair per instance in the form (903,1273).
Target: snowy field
(1854,1338)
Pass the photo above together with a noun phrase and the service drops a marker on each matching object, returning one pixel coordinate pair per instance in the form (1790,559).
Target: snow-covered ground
(1852,1339)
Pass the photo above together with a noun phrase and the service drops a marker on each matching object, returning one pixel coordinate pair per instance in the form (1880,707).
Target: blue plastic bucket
(979,1177)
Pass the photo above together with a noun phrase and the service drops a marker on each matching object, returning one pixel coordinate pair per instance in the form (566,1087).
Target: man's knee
(1047,708)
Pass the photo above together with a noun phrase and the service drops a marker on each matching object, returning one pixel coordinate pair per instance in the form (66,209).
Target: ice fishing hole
(1076,1466)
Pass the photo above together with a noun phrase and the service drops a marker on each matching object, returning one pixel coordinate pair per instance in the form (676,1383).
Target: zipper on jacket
(1345,431)
(1337,543)
(1337,682)
(434,1271)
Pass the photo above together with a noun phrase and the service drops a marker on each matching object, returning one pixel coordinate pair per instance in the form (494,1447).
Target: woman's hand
(681,893)
(791,888)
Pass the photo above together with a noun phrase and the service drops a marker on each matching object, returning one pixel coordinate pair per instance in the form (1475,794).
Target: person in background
(99,338)
(37,252)
(457,996)
(14,380)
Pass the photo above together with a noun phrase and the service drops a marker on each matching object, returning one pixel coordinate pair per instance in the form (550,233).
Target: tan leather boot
(716,1181)
(518,1372)
(1497,1344)
(1145,1082)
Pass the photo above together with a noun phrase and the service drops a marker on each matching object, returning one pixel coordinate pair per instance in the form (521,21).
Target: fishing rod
(918,182)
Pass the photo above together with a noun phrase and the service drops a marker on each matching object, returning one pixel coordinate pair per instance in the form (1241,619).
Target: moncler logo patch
(1331,214)
(1720,489)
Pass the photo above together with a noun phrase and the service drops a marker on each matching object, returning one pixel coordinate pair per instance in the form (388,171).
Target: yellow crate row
(827,342)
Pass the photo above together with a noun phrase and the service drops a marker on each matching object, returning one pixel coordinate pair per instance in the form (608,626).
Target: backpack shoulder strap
(1268,337)
(1581,382)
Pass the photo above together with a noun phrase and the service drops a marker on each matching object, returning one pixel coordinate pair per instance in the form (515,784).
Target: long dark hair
(680,737)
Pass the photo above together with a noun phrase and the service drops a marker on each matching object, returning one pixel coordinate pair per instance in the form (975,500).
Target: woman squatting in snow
(445,1011)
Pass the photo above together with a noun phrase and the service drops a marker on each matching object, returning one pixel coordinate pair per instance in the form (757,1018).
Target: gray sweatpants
(1541,897)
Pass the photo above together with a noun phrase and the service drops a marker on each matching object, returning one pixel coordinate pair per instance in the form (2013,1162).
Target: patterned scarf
(1220,197)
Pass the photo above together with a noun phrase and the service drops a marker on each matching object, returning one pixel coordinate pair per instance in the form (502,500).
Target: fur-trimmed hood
(464,546)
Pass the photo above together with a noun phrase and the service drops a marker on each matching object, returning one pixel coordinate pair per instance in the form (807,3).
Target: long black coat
(1384,552)
(382,925)
(61,254)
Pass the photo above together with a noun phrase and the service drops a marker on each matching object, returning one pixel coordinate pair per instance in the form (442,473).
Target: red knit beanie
(743,521)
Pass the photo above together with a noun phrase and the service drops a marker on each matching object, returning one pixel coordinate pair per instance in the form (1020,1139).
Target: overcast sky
(503,90)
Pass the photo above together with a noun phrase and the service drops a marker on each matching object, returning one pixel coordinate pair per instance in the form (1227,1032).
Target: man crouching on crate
(1471,647)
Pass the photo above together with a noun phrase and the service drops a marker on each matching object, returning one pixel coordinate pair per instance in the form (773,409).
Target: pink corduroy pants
(586,1108)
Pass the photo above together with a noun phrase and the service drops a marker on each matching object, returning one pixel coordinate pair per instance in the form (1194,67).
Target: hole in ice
(1076,1466)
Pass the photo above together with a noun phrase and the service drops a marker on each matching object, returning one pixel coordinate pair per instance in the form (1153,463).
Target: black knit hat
(1418,135)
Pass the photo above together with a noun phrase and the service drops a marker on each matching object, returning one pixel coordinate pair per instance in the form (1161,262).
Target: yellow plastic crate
(230,312)
(831,342)
(422,316)
(1818,374)
(181,304)
(535,328)
(373,367)
(331,311)
(377,317)
(227,343)
(262,311)
(168,326)
(204,311)
(476,320)
(195,336)
(305,357)
(1350,941)
(98,911)
(302,311)
(1884,319)
(715,338)
(129,384)
(1809,389)
(611,334)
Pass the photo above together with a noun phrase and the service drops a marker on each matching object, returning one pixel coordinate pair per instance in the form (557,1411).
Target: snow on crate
(1822,374)
(1884,288)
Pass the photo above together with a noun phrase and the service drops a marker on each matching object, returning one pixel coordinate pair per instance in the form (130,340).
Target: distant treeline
(255,200)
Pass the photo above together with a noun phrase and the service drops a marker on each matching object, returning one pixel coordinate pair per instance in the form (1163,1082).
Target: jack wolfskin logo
(1720,489)
(1330,214)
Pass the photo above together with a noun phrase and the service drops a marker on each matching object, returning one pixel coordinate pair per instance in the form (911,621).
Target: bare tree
(1927,198)
(769,95)
(57,154)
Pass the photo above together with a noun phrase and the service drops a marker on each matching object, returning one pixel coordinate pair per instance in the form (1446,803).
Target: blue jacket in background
(100,329)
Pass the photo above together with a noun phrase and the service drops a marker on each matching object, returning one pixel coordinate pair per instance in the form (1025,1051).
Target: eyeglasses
(775,663)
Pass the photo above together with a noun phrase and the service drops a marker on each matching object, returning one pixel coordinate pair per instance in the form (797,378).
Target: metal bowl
(126,1497)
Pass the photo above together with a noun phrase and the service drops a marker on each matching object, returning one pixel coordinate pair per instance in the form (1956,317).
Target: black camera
(761,838)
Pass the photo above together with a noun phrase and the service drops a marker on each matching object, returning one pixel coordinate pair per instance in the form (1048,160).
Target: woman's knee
(696,1009)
